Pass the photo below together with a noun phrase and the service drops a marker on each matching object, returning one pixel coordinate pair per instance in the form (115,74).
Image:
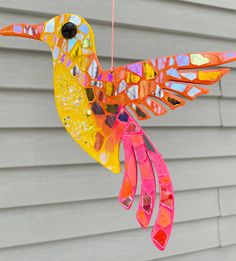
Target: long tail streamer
(139,150)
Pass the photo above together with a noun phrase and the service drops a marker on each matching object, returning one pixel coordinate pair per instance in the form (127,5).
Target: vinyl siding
(56,203)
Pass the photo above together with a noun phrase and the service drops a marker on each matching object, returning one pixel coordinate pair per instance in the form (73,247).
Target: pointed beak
(23,30)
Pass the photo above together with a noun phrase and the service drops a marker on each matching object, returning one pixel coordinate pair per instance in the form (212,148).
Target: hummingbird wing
(165,80)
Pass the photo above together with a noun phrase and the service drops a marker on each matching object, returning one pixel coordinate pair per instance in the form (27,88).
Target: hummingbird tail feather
(139,150)
(129,185)
(148,182)
(165,218)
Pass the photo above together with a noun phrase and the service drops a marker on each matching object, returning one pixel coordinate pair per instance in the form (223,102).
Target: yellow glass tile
(109,87)
(132,78)
(209,76)
(149,72)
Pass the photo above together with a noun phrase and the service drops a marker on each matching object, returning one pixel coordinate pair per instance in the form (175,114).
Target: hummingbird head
(66,34)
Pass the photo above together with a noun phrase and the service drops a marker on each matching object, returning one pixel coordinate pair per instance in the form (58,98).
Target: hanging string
(113,36)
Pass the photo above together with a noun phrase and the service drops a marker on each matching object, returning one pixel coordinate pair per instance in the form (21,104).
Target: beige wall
(56,204)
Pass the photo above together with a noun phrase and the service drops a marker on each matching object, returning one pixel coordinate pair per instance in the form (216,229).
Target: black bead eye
(69,30)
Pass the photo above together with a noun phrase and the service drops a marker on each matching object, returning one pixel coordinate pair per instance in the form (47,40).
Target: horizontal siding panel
(203,173)
(37,109)
(228,200)
(130,245)
(30,225)
(228,4)
(47,185)
(216,254)
(27,109)
(228,85)
(55,146)
(37,73)
(131,13)
(194,142)
(190,203)
(228,230)
(158,43)
(228,109)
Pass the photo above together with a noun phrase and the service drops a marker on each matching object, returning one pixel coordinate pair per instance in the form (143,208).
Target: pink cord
(113,35)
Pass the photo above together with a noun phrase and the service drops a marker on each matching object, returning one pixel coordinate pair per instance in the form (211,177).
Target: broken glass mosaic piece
(97,109)
(93,69)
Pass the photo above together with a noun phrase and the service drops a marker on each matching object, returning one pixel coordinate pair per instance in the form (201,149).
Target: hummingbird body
(75,111)
(75,65)
(93,105)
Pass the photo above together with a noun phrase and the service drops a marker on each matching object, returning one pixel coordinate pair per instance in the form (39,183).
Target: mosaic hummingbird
(98,107)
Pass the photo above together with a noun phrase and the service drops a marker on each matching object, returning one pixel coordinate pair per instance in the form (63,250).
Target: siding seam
(218,189)
(218,218)
(220,104)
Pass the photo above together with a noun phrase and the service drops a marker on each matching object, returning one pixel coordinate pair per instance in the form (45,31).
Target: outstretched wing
(166,79)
